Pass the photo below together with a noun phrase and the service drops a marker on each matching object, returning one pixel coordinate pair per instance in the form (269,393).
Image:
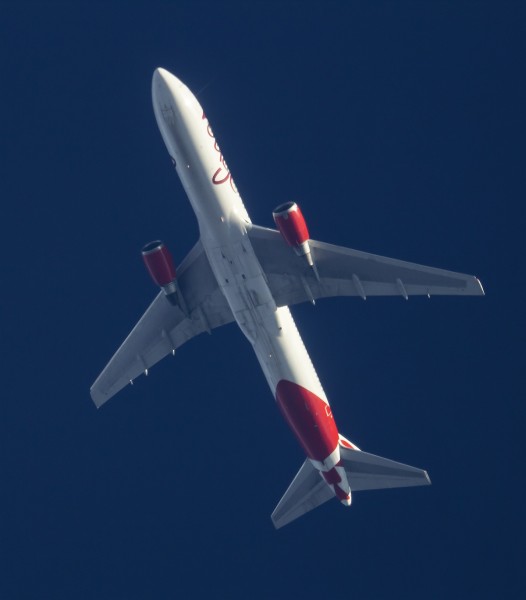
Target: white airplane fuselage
(223,224)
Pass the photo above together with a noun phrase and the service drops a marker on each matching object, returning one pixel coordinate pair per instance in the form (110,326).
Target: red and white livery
(240,272)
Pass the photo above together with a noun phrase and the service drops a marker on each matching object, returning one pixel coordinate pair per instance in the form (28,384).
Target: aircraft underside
(243,273)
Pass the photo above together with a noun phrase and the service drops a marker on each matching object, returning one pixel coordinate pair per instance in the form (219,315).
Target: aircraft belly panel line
(241,272)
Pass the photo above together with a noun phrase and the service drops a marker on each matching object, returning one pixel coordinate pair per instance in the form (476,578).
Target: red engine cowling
(160,265)
(293,229)
(291,224)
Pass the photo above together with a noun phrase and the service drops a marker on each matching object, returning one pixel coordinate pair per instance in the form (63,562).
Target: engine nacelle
(160,265)
(293,228)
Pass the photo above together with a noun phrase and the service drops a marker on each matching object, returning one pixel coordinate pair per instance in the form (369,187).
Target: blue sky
(399,129)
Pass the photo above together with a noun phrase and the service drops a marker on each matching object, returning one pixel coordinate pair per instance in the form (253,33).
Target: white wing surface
(164,327)
(347,272)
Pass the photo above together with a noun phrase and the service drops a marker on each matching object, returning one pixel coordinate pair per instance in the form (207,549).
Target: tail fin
(364,472)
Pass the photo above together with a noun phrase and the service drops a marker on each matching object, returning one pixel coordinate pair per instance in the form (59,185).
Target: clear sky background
(399,128)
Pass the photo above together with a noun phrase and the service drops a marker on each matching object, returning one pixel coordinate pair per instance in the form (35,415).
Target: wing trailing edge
(347,272)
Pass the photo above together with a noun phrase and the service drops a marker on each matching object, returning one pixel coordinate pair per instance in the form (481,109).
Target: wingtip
(479,283)
(98,398)
(278,519)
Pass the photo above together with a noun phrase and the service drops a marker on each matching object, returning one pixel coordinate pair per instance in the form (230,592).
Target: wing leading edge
(163,328)
(347,272)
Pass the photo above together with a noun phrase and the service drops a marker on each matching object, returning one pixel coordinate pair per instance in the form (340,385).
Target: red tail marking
(332,477)
(305,413)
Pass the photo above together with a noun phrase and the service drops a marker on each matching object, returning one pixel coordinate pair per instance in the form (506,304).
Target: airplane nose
(166,88)
(165,93)
(159,76)
(159,82)
(176,110)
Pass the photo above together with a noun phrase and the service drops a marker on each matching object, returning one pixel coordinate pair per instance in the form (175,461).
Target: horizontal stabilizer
(369,472)
(307,491)
(364,472)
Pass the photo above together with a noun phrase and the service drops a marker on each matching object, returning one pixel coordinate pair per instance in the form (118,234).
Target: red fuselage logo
(222,174)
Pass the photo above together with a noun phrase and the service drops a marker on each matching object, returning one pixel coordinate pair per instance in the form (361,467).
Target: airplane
(241,272)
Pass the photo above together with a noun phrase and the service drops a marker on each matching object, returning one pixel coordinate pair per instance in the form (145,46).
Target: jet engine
(293,228)
(160,265)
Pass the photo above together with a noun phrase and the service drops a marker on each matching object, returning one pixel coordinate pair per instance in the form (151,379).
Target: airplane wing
(164,327)
(347,272)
